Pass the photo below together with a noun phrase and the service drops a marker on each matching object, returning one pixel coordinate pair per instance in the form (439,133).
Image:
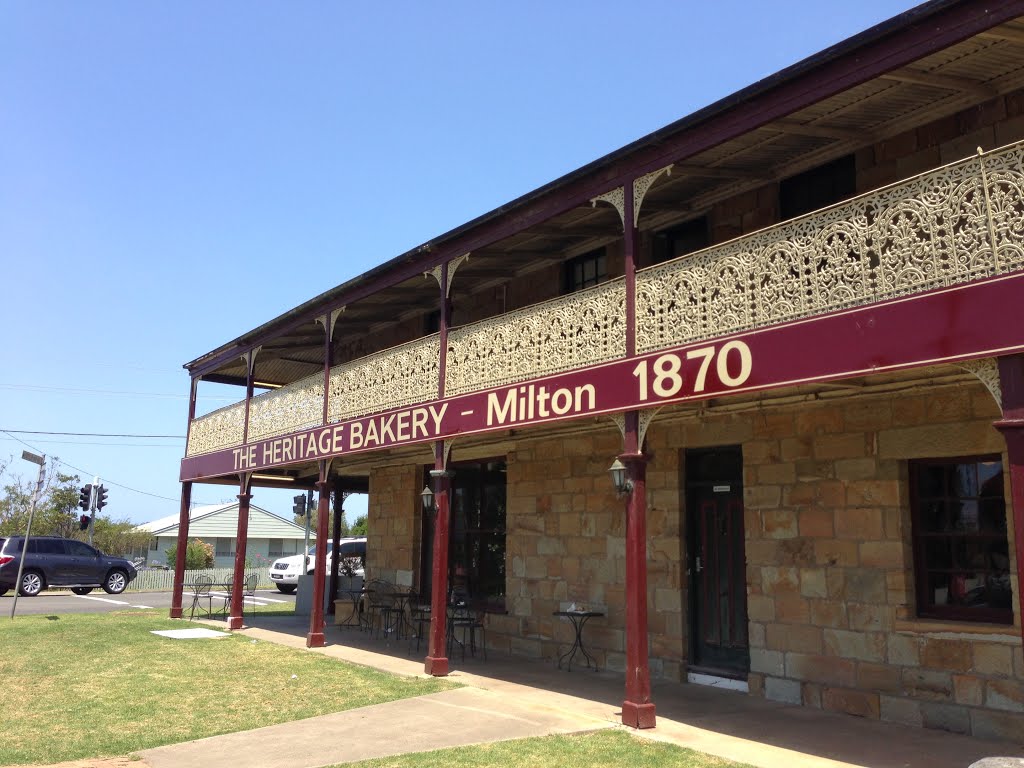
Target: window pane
(931,481)
(965,480)
(966,516)
(960,544)
(935,518)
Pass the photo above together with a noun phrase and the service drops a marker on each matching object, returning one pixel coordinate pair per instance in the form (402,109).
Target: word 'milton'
(531,402)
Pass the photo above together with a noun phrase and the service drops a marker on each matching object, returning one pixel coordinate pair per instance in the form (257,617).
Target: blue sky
(175,174)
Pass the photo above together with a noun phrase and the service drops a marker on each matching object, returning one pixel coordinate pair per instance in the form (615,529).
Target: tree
(120,537)
(54,515)
(358,527)
(198,554)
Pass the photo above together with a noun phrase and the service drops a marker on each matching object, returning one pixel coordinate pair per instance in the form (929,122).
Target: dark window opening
(817,188)
(961,553)
(432,322)
(586,270)
(680,240)
(476,543)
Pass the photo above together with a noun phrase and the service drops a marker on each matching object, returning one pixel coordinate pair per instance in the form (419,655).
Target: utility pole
(41,461)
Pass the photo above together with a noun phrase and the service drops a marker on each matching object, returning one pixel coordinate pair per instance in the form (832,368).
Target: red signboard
(977,320)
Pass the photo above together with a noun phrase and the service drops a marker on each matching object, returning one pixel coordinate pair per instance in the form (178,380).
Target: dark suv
(55,562)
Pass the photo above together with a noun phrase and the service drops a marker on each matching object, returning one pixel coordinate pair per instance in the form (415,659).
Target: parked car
(55,562)
(285,571)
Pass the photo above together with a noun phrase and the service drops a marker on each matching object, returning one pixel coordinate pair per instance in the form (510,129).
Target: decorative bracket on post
(987,372)
(250,360)
(641,185)
(453,266)
(328,322)
(616,198)
(644,420)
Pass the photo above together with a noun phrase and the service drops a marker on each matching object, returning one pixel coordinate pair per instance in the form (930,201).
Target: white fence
(158,580)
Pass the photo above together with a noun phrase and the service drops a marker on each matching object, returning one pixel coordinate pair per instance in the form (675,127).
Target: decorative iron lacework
(298,406)
(390,379)
(987,371)
(960,223)
(574,331)
(217,430)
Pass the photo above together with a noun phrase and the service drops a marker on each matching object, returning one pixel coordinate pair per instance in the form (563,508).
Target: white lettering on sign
(533,401)
(733,364)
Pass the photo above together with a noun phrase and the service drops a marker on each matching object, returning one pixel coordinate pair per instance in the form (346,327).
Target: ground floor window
(275,548)
(961,553)
(476,544)
(224,547)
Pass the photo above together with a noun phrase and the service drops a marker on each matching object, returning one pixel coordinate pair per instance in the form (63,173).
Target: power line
(85,434)
(119,445)
(118,393)
(87,472)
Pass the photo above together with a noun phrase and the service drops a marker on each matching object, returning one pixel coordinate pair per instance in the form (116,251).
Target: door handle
(698,567)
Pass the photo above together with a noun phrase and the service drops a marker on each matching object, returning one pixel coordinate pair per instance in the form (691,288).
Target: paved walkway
(510,698)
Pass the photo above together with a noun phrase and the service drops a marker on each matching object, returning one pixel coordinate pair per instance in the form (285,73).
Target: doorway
(716,562)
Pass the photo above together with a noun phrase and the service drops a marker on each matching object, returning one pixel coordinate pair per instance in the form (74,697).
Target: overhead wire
(86,472)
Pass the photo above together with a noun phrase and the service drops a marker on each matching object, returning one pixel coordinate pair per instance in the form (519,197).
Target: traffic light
(101,498)
(85,497)
(299,505)
(83,523)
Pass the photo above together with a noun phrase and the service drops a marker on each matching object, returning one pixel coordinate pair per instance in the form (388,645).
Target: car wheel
(115,582)
(31,584)
(3,591)
(81,590)
(286,588)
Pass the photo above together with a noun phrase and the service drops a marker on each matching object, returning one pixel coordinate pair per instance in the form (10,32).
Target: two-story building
(793,319)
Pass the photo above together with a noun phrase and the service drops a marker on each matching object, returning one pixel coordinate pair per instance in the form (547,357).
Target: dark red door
(716,562)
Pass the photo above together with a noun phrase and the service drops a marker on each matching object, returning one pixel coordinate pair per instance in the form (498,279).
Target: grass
(77,686)
(596,749)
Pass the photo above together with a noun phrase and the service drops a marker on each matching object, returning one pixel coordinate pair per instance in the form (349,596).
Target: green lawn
(78,686)
(597,749)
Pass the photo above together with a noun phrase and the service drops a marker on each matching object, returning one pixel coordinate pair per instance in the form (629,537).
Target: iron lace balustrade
(957,224)
(575,331)
(217,430)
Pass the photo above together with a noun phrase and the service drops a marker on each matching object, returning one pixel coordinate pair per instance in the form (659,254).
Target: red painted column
(315,638)
(1011,380)
(242,535)
(179,559)
(637,708)
(437,661)
(183,515)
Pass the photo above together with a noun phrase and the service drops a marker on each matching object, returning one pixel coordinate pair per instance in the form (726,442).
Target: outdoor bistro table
(355,618)
(578,619)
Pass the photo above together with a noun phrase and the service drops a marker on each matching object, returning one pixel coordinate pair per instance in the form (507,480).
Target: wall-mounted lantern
(622,485)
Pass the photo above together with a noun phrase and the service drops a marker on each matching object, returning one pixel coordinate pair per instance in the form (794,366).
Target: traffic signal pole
(41,461)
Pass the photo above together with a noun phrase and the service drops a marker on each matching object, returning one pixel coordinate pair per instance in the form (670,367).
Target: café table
(579,620)
(356,617)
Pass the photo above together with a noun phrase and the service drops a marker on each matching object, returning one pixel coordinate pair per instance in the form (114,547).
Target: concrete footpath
(507,698)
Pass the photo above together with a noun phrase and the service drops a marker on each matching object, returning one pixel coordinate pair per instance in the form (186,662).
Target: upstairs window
(432,322)
(961,554)
(586,270)
(817,188)
(680,240)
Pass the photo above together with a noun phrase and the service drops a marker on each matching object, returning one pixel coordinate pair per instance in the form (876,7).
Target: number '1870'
(664,375)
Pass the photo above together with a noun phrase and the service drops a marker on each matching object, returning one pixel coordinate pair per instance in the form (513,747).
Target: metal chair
(249,590)
(201,591)
(468,621)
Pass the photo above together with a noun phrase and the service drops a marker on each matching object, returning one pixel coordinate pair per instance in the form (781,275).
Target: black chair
(200,592)
(419,623)
(249,591)
(467,622)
